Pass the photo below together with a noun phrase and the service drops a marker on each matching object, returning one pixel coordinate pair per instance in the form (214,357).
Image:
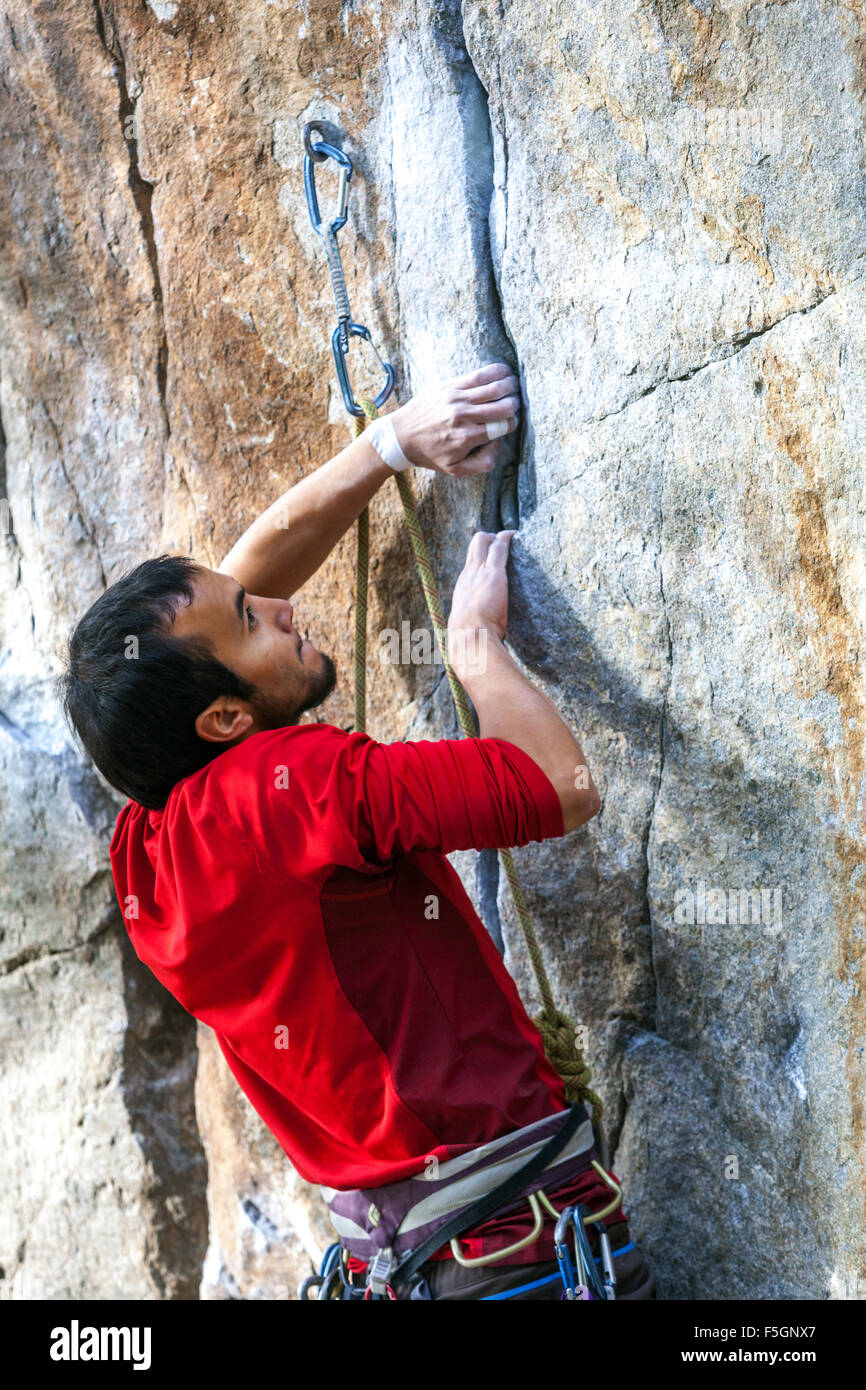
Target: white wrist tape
(383,437)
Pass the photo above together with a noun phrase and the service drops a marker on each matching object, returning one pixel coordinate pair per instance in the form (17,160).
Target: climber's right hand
(480,601)
(443,426)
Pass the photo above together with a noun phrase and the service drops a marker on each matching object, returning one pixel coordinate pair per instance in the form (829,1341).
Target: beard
(276,712)
(322,682)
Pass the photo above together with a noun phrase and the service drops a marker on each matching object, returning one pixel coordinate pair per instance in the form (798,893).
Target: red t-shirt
(294,896)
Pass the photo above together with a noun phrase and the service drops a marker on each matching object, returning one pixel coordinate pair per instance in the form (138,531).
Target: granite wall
(652,209)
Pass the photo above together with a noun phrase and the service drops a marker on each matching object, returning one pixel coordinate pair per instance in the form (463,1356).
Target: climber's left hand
(443,426)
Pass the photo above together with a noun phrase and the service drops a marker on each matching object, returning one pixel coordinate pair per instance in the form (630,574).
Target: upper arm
(313,797)
(453,794)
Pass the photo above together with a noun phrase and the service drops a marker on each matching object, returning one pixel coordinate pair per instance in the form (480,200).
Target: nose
(284,617)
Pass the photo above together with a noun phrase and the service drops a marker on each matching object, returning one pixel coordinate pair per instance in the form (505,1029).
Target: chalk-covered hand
(480,601)
(443,426)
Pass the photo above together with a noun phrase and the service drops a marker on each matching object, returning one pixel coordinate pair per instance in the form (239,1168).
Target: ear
(224,721)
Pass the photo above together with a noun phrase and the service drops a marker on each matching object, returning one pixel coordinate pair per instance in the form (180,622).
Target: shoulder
(247,782)
(295,745)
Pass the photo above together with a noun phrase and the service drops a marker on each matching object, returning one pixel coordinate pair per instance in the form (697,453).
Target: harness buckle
(377,1275)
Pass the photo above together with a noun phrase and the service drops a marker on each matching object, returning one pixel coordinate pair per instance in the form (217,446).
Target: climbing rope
(362,573)
(557,1030)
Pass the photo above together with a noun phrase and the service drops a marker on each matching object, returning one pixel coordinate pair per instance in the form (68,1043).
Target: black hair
(132,690)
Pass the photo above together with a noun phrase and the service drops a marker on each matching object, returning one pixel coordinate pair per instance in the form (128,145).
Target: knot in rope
(559,1036)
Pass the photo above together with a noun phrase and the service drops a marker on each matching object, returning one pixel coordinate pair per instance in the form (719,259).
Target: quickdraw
(346,329)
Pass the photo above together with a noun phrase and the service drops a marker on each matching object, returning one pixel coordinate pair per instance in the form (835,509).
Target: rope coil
(558,1032)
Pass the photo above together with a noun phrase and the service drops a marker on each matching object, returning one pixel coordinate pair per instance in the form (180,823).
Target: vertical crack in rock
(663,730)
(7,531)
(142,193)
(500,508)
(504,172)
(6,527)
(648,1021)
(501,502)
(651,1022)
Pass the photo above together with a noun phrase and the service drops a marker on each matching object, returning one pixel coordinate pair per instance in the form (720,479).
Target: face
(256,638)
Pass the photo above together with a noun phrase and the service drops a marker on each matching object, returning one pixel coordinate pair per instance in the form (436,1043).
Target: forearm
(289,541)
(444,427)
(511,708)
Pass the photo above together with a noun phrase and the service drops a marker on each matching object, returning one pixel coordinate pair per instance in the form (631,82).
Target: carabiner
(340,345)
(345,163)
(560,1247)
(587,1272)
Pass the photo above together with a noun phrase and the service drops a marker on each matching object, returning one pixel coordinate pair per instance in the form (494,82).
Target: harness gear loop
(536,1201)
(557,1030)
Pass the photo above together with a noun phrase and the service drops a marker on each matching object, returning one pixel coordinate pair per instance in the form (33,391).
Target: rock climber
(286,881)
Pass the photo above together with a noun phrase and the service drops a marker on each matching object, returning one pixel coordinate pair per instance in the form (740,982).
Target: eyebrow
(239,605)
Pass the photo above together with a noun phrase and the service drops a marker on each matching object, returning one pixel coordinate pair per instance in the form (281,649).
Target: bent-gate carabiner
(340,344)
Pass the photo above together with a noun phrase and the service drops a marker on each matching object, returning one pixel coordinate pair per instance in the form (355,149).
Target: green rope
(558,1032)
(362,572)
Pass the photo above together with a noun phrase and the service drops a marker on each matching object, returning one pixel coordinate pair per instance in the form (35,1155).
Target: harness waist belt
(404,1215)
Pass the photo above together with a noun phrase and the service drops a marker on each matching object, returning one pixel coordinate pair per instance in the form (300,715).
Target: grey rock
(655,214)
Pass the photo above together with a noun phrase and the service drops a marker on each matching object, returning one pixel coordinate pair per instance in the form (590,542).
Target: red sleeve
(313,796)
(453,794)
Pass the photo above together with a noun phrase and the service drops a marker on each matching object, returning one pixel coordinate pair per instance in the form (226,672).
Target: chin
(281,711)
(322,679)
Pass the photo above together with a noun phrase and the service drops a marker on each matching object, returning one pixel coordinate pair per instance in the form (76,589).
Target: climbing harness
(390,1232)
(403,1214)
(395,1229)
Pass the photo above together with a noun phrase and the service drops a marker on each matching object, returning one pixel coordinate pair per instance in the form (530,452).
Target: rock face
(653,210)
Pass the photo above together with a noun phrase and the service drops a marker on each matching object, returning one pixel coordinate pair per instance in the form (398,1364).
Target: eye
(251,617)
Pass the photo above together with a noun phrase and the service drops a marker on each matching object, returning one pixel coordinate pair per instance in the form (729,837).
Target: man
(287,882)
